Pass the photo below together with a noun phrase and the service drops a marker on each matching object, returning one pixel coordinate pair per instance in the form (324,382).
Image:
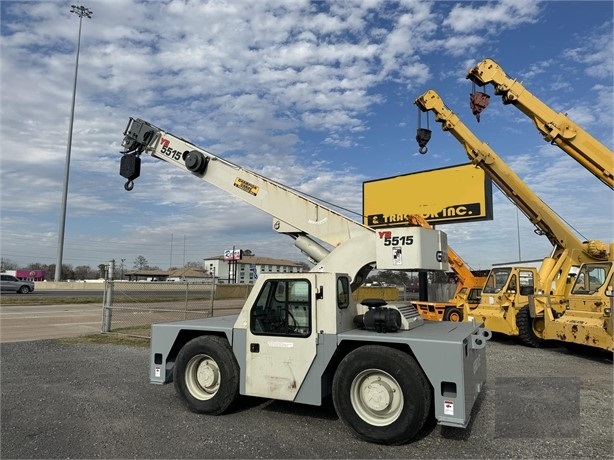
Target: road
(36,322)
(19,323)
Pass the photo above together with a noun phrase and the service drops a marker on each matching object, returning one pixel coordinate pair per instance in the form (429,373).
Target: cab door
(281,338)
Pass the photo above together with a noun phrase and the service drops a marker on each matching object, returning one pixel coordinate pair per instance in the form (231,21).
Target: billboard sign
(461,193)
(27,274)
(232,254)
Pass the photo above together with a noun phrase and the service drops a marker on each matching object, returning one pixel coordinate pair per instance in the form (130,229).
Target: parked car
(9,283)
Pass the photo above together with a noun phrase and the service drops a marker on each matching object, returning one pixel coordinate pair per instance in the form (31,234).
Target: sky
(315,95)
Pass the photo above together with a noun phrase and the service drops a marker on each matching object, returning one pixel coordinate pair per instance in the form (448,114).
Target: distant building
(189,274)
(247,269)
(243,271)
(146,275)
(196,275)
(25,274)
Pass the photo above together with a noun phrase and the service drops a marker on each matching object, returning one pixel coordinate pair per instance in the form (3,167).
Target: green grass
(45,300)
(112,339)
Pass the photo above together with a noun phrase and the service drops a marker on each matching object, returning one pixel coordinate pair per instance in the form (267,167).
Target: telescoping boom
(309,223)
(556,128)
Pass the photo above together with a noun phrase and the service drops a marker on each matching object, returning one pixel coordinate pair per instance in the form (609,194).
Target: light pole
(80,11)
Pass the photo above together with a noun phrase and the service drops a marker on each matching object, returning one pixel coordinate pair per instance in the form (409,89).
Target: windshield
(496,280)
(590,278)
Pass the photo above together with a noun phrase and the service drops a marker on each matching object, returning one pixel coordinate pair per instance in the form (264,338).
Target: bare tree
(7,264)
(84,272)
(140,263)
(194,265)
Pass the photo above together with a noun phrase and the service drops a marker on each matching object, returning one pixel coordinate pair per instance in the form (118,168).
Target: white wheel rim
(376,397)
(202,377)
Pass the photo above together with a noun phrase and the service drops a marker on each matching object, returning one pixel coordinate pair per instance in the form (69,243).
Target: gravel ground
(62,400)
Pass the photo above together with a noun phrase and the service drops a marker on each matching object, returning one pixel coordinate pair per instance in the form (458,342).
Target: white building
(248,268)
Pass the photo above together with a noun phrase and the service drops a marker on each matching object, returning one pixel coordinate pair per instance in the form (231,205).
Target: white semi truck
(300,336)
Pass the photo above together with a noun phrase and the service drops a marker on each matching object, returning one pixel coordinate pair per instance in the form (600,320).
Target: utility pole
(80,11)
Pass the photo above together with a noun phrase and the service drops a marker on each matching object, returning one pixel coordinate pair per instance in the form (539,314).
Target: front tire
(24,290)
(530,330)
(452,314)
(206,375)
(381,394)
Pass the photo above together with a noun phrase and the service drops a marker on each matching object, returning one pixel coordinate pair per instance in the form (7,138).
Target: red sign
(233,254)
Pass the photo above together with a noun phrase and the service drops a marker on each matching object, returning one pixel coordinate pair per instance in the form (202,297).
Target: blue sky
(316,95)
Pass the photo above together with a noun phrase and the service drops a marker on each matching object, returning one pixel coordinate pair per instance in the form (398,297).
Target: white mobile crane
(555,127)
(508,300)
(300,336)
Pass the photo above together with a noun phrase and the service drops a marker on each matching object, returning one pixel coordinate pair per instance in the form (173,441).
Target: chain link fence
(132,307)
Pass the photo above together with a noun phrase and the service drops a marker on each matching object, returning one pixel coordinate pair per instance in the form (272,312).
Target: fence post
(108,298)
(185,307)
(212,292)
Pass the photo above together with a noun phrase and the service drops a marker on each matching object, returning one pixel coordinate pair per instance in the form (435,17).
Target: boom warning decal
(246,186)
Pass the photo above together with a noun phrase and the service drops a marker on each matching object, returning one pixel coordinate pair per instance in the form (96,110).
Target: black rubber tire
(452,314)
(394,366)
(527,335)
(24,290)
(212,357)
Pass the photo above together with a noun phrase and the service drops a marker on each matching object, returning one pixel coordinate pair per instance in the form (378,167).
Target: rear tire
(206,375)
(452,314)
(529,328)
(381,394)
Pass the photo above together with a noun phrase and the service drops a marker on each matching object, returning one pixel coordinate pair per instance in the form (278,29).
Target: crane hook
(129,185)
(478,101)
(423,135)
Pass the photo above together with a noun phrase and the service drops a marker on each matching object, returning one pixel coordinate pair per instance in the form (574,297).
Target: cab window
(496,280)
(343,292)
(590,278)
(282,308)
(527,282)
(511,287)
(474,296)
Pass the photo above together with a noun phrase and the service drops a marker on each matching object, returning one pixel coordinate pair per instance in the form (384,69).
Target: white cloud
(311,94)
(492,16)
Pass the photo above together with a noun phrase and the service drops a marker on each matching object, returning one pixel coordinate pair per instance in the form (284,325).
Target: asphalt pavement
(67,400)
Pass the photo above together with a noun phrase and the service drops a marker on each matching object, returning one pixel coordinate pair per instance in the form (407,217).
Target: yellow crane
(509,301)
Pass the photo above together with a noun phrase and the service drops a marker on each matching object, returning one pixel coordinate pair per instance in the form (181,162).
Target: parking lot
(62,399)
